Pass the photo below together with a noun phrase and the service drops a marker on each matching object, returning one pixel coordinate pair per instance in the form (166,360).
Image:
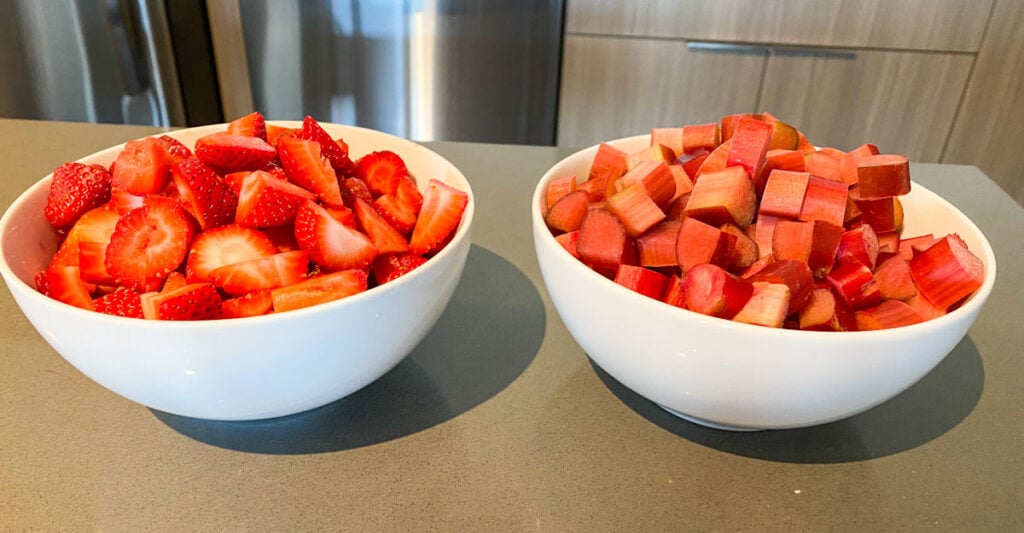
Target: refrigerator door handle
(130,62)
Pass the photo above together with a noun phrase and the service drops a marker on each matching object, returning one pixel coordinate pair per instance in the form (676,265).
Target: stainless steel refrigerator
(466,70)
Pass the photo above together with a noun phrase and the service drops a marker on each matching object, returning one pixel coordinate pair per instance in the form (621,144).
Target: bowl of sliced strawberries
(743,278)
(240,271)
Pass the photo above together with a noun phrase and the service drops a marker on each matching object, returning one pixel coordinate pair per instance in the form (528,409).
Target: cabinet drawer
(943,25)
(904,102)
(613,87)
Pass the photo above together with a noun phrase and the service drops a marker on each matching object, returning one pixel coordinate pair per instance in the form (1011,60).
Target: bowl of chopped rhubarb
(240,271)
(742,278)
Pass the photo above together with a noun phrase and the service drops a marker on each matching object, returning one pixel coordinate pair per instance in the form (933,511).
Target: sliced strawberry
(262,273)
(440,215)
(196,301)
(388,267)
(251,125)
(385,237)
(143,167)
(208,198)
(344,215)
(225,152)
(63,283)
(175,150)
(42,283)
(222,246)
(174,280)
(319,289)
(398,214)
(252,304)
(267,201)
(91,265)
(352,188)
(381,171)
(121,302)
(123,201)
(75,189)
(147,244)
(277,132)
(330,244)
(96,225)
(335,152)
(306,167)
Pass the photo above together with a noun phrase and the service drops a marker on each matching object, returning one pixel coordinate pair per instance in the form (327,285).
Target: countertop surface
(498,421)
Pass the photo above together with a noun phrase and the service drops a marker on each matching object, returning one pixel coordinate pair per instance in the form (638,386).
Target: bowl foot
(706,423)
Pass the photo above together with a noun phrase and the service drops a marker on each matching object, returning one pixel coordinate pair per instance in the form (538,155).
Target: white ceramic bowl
(738,376)
(247,368)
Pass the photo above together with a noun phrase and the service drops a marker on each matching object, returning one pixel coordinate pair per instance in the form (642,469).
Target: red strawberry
(381,171)
(174,148)
(251,125)
(268,272)
(222,246)
(253,304)
(148,243)
(143,167)
(386,238)
(335,152)
(440,215)
(121,302)
(197,301)
(319,289)
(402,207)
(96,225)
(64,284)
(235,179)
(387,267)
(42,282)
(123,201)
(352,188)
(267,201)
(274,133)
(225,152)
(75,189)
(91,256)
(175,280)
(207,197)
(344,215)
(305,167)
(331,245)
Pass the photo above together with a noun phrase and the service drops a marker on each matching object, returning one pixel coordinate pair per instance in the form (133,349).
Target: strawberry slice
(336,152)
(262,273)
(175,150)
(330,244)
(381,171)
(388,267)
(352,188)
(96,225)
(266,200)
(440,215)
(90,263)
(385,237)
(63,283)
(206,195)
(222,246)
(75,189)
(147,244)
(196,301)
(251,125)
(121,302)
(253,304)
(306,167)
(143,167)
(174,281)
(319,289)
(226,152)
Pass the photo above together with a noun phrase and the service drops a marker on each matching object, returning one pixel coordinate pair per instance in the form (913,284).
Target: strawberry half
(251,125)
(75,189)
(386,238)
(263,273)
(401,208)
(266,200)
(96,225)
(175,150)
(253,304)
(335,152)
(330,244)
(196,301)
(440,215)
(381,171)
(318,290)
(225,152)
(63,283)
(147,244)
(206,195)
(305,167)
(222,246)
(143,167)
(121,302)
(388,267)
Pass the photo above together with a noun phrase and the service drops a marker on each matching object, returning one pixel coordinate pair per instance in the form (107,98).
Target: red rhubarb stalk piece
(729,123)
(657,247)
(824,200)
(656,178)
(749,145)
(784,193)
(569,241)
(793,240)
(674,293)
(725,196)
(763,233)
(671,138)
(714,161)
(655,153)
(710,290)
(881,176)
(825,164)
(568,212)
(637,211)
(768,305)
(848,163)
(609,164)
(855,285)
(683,183)
(911,245)
(947,272)
(894,280)
(793,274)
(888,314)
(701,243)
(859,245)
(557,188)
(824,244)
(603,242)
(744,250)
(792,160)
(692,162)
(697,136)
(883,214)
(642,280)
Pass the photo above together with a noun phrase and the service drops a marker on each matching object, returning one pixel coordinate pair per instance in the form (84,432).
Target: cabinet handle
(753,49)
(824,53)
(726,48)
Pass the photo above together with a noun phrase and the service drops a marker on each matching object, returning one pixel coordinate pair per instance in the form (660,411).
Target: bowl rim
(462,233)
(546,239)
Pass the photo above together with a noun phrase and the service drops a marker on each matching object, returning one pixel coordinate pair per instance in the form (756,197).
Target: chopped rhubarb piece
(855,284)
(888,314)
(764,233)
(674,292)
(888,242)
(609,164)
(784,193)
(757,266)
(713,162)
(557,188)
(784,136)
(656,178)
(793,240)
(568,212)
(603,242)
(710,290)
(825,164)
(848,163)
(883,214)
(792,160)
(729,123)
(696,136)
(824,200)
(744,250)
(767,306)
(637,211)
(671,138)
(749,145)
(824,244)
(642,280)
(894,280)
(656,153)
(684,185)
(692,162)
(911,245)
(725,196)
(852,216)
(657,247)
(881,176)
(676,209)
(859,245)
(925,308)
(569,241)
(824,312)
(701,243)
(947,272)
(793,274)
